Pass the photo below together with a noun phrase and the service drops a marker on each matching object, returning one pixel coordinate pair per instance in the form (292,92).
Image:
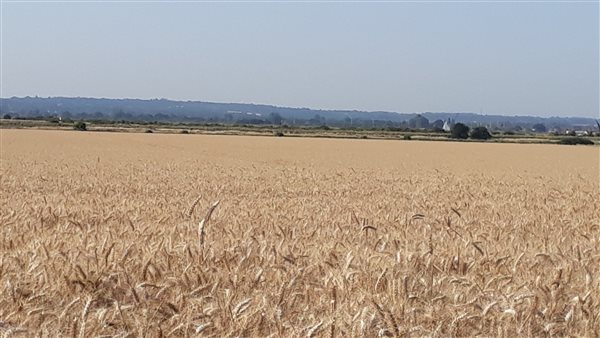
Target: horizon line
(290,107)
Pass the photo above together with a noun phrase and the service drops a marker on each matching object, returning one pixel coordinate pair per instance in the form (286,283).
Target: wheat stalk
(204,221)
(190,210)
(84,314)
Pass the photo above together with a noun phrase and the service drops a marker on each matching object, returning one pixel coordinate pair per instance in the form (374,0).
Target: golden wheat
(312,237)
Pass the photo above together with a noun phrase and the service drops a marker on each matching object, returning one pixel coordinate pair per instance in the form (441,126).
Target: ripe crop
(127,235)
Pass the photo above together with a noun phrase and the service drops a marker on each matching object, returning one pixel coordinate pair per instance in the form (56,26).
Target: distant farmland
(311,237)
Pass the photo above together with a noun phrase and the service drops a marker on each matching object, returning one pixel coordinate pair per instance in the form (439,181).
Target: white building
(448,124)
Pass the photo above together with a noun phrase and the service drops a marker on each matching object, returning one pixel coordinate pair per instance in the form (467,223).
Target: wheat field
(111,235)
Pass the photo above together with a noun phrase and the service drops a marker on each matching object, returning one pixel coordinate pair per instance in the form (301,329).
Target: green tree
(80,125)
(480,133)
(459,131)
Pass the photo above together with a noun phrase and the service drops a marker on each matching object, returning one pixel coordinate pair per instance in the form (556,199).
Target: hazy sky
(491,57)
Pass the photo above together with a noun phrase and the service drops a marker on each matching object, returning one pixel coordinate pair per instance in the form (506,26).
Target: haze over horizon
(537,59)
(294,107)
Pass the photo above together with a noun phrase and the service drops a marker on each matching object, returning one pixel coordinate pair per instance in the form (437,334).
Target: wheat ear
(204,221)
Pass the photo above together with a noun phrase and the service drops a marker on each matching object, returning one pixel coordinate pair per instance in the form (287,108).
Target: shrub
(459,131)
(407,137)
(79,125)
(480,133)
(575,140)
(278,133)
(184,131)
(148,131)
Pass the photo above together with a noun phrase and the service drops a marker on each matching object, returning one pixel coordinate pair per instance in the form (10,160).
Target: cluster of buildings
(421,122)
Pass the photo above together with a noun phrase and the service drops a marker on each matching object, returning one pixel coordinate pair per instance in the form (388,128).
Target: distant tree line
(462,131)
(68,110)
(459,130)
(170,111)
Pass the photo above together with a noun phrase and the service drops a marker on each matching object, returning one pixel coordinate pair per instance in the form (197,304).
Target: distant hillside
(197,111)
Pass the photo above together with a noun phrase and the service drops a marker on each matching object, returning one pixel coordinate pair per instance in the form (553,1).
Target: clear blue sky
(496,58)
